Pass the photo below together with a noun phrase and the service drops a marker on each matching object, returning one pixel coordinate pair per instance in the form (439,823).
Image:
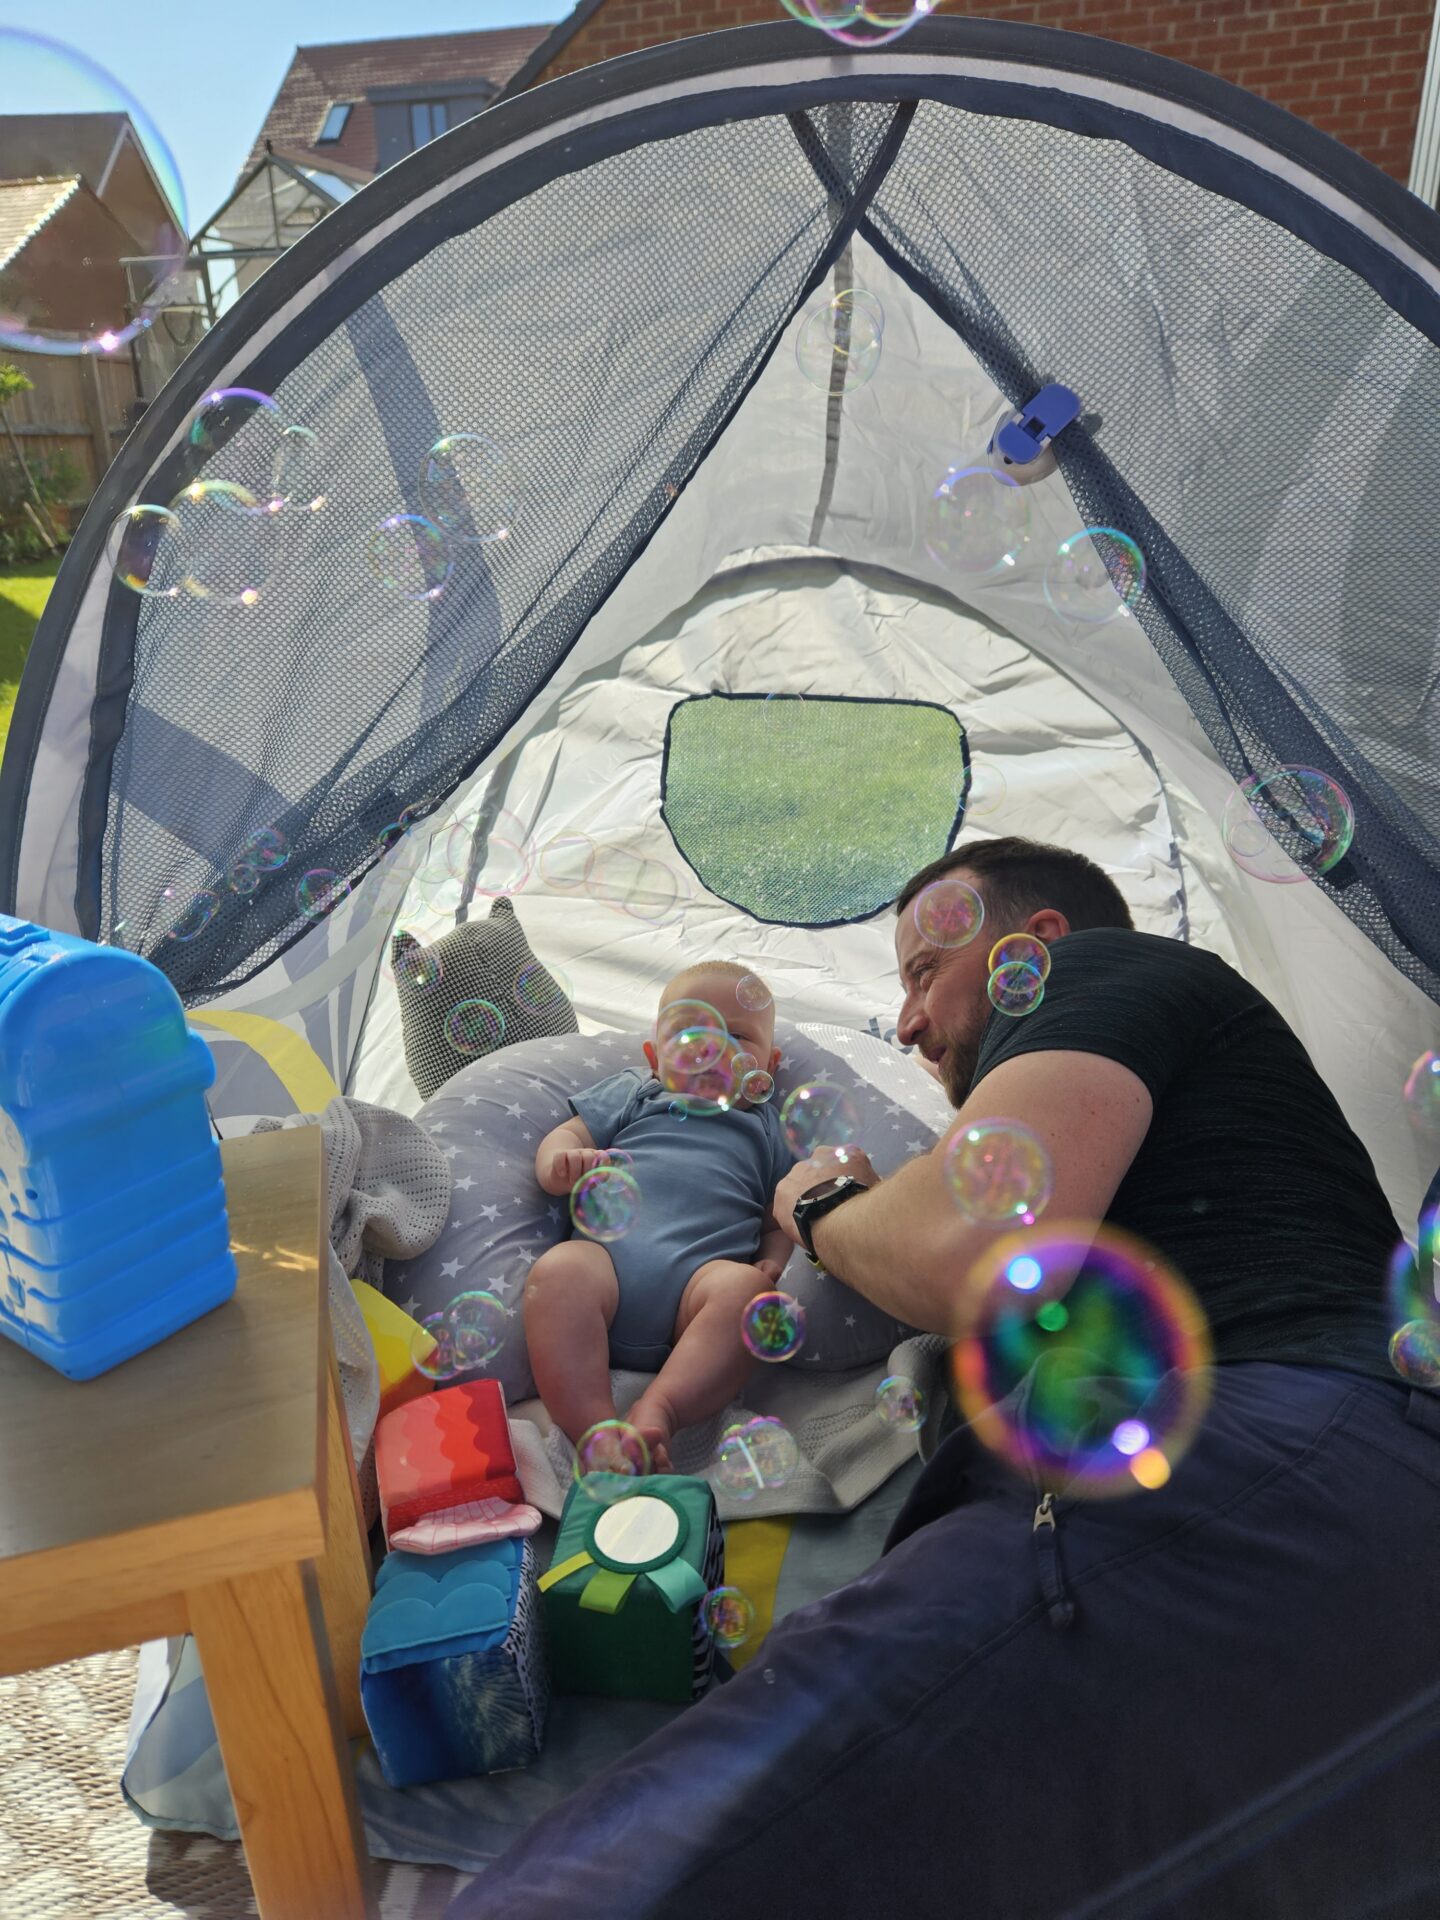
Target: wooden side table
(207,1487)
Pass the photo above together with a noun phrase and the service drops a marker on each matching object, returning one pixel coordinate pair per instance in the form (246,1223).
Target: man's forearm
(904,1246)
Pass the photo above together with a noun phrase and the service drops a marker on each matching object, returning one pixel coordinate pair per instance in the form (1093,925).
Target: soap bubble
(265,848)
(432,1347)
(998,1172)
(539,989)
(753,994)
(729,1616)
(695,1056)
(468,487)
(240,432)
(976,520)
(243,877)
(1414,1311)
(229,542)
(744,1063)
(987,789)
(55,298)
(900,1403)
(1288,825)
(320,891)
(872,25)
(475,1027)
(635,884)
(605,1203)
(567,861)
(412,966)
(410,557)
(772,1326)
(295,471)
(1094,575)
(754,1455)
(1422,1094)
(1016,988)
(818,1114)
(188,913)
(609,1458)
(839,342)
(145,549)
(1021,947)
(757,1087)
(948,913)
(1085,1362)
(678,1110)
(479,1324)
(1415,1352)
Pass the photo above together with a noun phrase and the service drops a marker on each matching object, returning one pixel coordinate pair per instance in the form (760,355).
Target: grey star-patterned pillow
(452,992)
(490,1118)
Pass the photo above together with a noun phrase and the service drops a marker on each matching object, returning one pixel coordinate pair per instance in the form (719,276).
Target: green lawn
(22,595)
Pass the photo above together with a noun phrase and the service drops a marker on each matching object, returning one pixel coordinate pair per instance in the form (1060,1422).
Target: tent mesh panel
(1249,392)
(583,331)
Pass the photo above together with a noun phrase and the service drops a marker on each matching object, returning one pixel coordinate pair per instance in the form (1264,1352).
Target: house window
(334,122)
(427,119)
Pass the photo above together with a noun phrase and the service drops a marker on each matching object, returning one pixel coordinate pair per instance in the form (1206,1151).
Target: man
(1211,1699)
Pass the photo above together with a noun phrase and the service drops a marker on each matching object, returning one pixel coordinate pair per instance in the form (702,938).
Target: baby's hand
(772,1270)
(569,1164)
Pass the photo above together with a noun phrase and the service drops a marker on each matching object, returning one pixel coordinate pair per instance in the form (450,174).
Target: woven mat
(70,1849)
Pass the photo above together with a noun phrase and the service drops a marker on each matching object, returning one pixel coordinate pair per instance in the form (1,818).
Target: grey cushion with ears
(478,960)
(490,1119)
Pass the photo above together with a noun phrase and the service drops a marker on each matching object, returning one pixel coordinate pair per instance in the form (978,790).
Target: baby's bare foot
(655,1432)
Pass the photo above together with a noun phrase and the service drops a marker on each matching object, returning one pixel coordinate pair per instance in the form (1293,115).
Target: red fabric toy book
(442,1450)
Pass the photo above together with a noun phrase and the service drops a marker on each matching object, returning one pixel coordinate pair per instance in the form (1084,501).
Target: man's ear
(651,1059)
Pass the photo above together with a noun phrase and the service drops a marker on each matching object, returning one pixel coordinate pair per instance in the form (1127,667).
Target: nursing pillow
(451,992)
(490,1117)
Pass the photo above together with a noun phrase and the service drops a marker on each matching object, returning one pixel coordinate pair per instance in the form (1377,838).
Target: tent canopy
(606,278)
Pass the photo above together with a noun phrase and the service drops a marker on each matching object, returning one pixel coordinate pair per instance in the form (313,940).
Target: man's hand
(824,1164)
(563,1166)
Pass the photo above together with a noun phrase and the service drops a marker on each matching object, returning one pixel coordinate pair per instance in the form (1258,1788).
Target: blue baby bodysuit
(706,1183)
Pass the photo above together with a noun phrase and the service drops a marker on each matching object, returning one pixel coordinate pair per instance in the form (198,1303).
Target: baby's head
(742,1000)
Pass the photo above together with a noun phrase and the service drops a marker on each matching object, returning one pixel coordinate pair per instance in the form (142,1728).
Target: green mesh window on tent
(811,812)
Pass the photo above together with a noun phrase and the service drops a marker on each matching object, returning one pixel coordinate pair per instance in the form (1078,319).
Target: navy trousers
(1216,1701)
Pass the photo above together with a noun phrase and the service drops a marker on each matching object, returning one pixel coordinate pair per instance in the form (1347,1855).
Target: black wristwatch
(816,1202)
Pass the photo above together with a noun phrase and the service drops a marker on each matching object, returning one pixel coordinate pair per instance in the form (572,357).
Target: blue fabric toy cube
(453,1675)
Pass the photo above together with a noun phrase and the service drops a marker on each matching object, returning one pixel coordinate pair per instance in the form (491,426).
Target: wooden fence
(79,406)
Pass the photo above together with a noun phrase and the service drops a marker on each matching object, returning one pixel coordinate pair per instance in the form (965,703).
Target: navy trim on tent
(1188,155)
(828,700)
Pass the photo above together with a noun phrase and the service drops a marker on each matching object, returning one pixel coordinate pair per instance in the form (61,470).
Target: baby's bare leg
(570,1300)
(709,1363)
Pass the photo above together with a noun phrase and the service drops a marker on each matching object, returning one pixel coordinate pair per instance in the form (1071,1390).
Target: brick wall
(1351,67)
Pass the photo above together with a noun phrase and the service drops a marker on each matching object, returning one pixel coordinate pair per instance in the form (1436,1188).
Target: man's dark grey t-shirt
(1250,1180)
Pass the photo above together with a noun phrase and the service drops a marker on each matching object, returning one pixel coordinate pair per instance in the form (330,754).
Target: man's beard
(958,1070)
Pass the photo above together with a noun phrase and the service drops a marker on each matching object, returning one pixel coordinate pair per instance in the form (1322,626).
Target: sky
(206,75)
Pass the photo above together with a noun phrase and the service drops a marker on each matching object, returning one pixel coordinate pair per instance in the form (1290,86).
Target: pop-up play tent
(696,664)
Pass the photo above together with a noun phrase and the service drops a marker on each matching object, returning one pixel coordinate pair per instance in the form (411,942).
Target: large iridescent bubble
(998,1173)
(1288,825)
(72,297)
(976,521)
(1083,1360)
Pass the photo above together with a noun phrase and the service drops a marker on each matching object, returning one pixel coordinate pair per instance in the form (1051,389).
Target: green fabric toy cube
(624,1596)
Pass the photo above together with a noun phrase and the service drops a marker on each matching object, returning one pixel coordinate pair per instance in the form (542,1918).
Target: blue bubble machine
(113,1231)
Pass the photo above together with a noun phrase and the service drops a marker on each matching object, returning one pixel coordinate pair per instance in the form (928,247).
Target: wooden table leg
(345,1574)
(261,1641)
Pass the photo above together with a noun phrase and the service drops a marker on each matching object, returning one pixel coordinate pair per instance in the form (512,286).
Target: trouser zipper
(1059,1605)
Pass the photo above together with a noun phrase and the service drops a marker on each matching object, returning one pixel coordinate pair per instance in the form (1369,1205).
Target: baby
(668,1295)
